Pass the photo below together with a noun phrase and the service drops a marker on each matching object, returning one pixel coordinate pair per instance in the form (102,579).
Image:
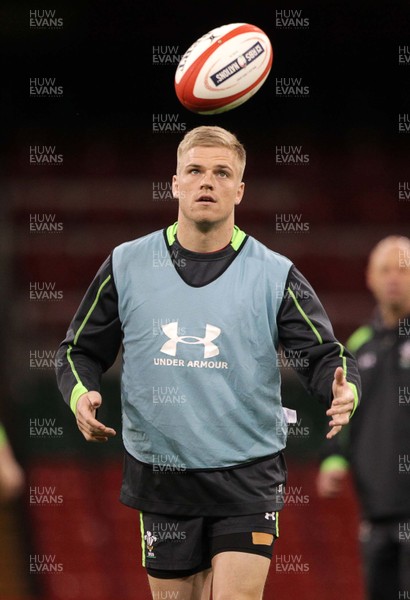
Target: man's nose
(207,180)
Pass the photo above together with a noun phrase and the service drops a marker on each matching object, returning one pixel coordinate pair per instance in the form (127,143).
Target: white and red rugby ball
(223,68)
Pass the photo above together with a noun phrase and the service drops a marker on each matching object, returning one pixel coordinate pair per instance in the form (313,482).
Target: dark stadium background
(102,194)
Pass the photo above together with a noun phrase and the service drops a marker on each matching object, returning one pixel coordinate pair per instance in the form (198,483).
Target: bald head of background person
(388,278)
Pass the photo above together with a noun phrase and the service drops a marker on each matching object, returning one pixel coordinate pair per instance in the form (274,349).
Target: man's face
(388,275)
(208,185)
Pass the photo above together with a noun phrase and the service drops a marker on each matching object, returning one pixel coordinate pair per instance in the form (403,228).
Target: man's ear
(175,186)
(239,193)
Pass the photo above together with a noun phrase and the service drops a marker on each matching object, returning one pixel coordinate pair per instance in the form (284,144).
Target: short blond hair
(212,135)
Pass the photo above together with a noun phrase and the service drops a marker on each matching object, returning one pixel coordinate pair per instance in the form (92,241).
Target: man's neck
(391,315)
(204,239)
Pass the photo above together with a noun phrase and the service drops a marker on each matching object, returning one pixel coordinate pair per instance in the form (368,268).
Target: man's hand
(12,476)
(92,430)
(342,403)
(329,484)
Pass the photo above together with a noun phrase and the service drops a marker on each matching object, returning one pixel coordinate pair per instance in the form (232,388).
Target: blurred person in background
(376,444)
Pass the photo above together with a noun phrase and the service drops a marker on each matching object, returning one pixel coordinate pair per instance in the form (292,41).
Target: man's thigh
(193,587)
(239,575)
(241,549)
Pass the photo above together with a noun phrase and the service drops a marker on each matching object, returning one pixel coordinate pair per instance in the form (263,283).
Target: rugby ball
(223,68)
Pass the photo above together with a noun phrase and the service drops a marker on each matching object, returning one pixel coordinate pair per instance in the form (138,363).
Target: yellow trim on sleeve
(3,436)
(304,315)
(78,390)
(356,397)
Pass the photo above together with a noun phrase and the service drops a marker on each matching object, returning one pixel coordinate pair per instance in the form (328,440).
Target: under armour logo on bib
(171,331)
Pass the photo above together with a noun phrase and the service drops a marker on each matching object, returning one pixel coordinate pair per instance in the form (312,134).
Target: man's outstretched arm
(89,349)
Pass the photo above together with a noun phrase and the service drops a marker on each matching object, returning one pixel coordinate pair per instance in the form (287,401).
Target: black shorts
(174,547)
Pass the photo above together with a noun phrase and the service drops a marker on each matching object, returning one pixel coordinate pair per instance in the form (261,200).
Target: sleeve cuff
(78,391)
(356,397)
(3,436)
(334,462)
